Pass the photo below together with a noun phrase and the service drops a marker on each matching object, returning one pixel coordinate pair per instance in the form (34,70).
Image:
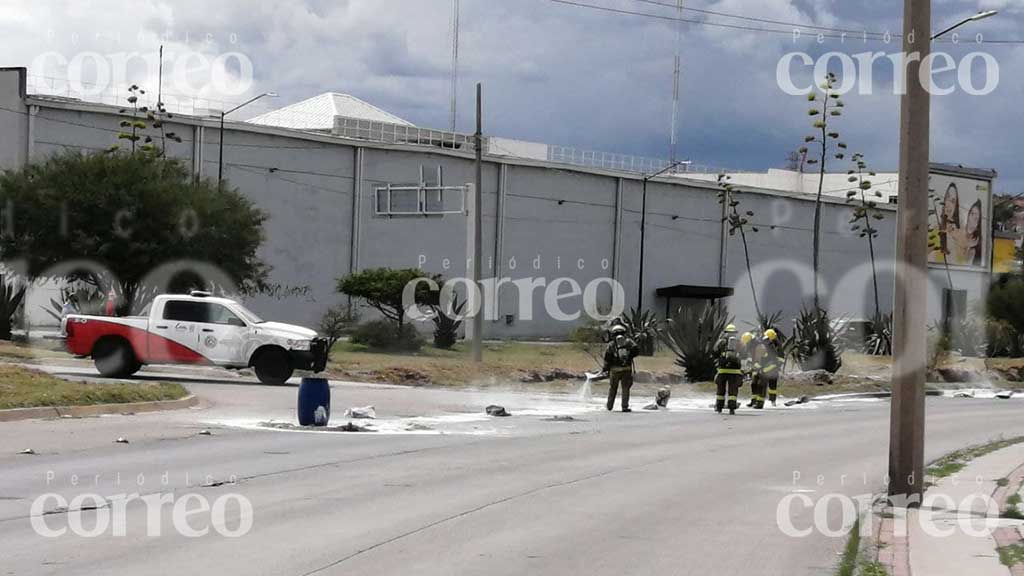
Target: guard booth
(683,294)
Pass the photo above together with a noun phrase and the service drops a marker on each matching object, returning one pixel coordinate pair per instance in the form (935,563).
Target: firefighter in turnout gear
(730,370)
(618,363)
(748,346)
(771,366)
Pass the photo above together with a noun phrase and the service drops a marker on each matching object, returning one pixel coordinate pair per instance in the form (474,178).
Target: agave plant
(784,345)
(447,320)
(878,337)
(691,333)
(643,327)
(819,341)
(11,297)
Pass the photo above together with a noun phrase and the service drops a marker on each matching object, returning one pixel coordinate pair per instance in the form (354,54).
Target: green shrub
(691,334)
(938,348)
(1004,307)
(819,345)
(336,322)
(967,336)
(1002,339)
(384,335)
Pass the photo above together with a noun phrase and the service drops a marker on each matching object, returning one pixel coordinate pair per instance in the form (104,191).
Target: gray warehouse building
(370,193)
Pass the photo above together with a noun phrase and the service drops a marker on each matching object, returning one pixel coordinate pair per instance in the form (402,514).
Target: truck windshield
(248,315)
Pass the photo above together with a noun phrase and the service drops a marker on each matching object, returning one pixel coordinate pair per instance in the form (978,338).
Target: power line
(873,36)
(760,20)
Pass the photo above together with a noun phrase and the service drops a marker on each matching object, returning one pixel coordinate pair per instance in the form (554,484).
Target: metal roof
(318,113)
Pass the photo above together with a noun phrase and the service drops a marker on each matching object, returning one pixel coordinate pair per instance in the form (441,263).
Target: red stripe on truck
(149,348)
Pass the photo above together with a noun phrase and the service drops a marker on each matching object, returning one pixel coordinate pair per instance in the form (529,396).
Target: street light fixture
(220,160)
(969,19)
(643,228)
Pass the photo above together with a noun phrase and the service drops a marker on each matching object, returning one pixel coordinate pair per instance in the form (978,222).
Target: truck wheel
(273,367)
(115,359)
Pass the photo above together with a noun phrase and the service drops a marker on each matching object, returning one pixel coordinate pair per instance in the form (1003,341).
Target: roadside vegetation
(1011,555)
(956,461)
(559,367)
(26,388)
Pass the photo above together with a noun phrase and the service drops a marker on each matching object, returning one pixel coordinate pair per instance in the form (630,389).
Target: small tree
(823,110)
(865,213)
(383,288)
(728,196)
(130,213)
(335,323)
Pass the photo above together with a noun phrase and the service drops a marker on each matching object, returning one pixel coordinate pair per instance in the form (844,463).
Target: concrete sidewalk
(958,528)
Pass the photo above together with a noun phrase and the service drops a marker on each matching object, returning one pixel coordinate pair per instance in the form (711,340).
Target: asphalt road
(679,492)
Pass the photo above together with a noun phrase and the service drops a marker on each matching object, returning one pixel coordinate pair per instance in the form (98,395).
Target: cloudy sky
(552,72)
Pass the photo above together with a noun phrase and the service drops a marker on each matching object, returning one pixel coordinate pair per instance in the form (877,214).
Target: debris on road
(495,410)
(28,452)
(350,427)
(964,394)
(417,427)
(1004,395)
(660,399)
(121,440)
(801,400)
(560,418)
(366,412)
(205,433)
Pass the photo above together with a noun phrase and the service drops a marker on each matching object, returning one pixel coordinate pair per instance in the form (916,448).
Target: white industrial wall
(553,221)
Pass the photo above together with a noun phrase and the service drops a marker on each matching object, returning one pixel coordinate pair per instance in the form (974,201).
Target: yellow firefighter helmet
(770,334)
(746,338)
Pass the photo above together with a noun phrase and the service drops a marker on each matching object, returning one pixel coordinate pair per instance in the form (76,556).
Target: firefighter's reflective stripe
(720,397)
(732,398)
(730,371)
(771,367)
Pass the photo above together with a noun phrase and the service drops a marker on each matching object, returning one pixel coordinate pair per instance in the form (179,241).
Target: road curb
(42,412)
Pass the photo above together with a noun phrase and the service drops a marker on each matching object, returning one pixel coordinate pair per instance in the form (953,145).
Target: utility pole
(674,140)
(455,61)
(910,313)
(478,317)
(643,231)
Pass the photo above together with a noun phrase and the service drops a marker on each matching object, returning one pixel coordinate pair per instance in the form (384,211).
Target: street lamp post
(643,229)
(220,160)
(968,20)
(910,313)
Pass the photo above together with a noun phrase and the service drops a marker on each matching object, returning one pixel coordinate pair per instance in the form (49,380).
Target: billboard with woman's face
(959,227)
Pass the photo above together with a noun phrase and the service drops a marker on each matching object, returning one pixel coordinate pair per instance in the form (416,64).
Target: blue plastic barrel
(314,397)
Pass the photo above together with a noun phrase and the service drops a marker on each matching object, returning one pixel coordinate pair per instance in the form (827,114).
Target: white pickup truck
(195,329)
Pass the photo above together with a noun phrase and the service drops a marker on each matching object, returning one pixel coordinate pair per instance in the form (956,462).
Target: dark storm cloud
(567,75)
